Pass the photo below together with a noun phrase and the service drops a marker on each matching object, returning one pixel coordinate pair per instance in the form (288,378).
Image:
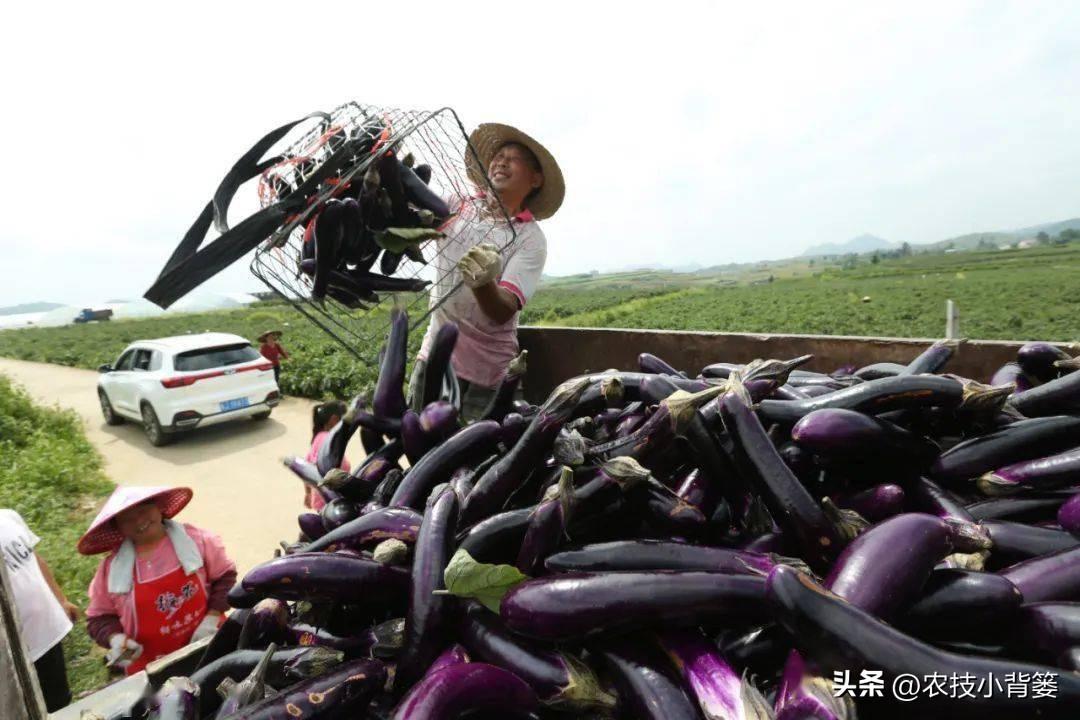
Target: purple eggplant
(933,359)
(559,679)
(1036,360)
(628,425)
(226,638)
(1068,515)
(426,621)
(264,624)
(385,490)
(388,400)
(839,637)
(514,426)
(308,472)
(413,438)
(438,362)
(467,688)
(177,699)
(382,640)
(439,420)
(1022,509)
(338,512)
(646,689)
(1015,542)
(414,183)
(876,371)
(874,397)
(360,484)
(643,555)
(1047,473)
(876,503)
(332,451)
(790,504)
(1049,577)
(502,402)
(496,485)
(342,692)
(311,525)
(649,363)
(497,539)
(575,605)
(370,529)
(1042,631)
(961,604)
(329,576)
(467,445)
(851,435)
(1025,440)
(1011,374)
(720,691)
(1056,397)
(547,524)
(456,654)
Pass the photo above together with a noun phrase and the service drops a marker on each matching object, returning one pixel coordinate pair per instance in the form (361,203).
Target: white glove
(480,265)
(122,651)
(207,628)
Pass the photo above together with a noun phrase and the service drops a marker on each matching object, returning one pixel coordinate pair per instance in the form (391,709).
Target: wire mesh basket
(436,139)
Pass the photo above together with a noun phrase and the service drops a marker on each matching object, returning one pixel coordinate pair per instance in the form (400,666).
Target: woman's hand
(122,651)
(72,610)
(480,265)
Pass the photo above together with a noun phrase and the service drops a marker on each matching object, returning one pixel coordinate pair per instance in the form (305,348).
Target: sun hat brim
(103,535)
(488,138)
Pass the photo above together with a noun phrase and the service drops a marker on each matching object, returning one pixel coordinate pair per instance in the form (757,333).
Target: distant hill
(34,307)
(862,244)
(1001,237)
(1050,229)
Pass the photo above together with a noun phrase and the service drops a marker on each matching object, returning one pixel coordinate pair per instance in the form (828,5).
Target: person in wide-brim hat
(269,335)
(162,585)
(488,269)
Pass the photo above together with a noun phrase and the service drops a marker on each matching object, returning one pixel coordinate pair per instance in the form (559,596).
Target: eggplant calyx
(613,390)
(754,704)
(315,661)
(794,562)
(849,524)
(967,561)
(570,448)
(996,486)
(391,552)
(334,478)
(683,406)
(389,638)
(822,692)
(969,537)
(225,687)
(564,398)
(978,397)
(1070,364)
(626,471)
(583,689)
(757,521)
(565,490)
(518,365)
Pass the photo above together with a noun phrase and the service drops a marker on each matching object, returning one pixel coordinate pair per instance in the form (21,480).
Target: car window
(125,361)
(215,357)
(155,360)
(142,360)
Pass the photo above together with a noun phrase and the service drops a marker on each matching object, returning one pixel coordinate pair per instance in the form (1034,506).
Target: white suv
(178,383)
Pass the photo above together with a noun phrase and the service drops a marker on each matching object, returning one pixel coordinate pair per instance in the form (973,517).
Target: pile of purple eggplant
(758,541)
(388,216)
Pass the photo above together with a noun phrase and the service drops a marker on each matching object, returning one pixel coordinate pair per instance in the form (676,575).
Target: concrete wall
(558,353)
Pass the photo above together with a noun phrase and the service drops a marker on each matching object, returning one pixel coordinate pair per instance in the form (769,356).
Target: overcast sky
(687,133)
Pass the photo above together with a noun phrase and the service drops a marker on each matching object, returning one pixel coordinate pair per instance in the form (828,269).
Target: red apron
(167,611)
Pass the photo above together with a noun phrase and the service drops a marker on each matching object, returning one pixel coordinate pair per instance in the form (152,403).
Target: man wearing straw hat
(528,187)
(162,585)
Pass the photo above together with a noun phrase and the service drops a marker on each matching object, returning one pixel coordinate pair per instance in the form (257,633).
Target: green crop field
(1011,294)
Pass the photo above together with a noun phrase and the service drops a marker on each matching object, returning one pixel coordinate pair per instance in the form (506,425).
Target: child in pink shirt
(323,419)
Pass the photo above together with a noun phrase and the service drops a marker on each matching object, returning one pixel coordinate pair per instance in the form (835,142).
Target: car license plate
(234,404)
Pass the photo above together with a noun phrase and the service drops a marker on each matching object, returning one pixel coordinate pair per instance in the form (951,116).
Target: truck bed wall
(558,353)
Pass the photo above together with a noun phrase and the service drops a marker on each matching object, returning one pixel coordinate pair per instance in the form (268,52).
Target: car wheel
(111,418)
(154,432)
(261,416)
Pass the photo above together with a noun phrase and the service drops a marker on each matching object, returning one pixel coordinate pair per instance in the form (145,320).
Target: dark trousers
(277,376)
(52,676)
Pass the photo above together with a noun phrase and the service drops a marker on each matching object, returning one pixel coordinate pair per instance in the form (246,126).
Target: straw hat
(267,334)
(489,137)
(103,535)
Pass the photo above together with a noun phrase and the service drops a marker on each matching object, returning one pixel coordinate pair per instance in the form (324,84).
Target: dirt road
(242,491)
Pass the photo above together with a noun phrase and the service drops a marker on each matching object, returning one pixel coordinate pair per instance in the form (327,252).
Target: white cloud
(692,132)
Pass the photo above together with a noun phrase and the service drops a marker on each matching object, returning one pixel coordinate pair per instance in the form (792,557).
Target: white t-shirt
(41,618)
(484,347)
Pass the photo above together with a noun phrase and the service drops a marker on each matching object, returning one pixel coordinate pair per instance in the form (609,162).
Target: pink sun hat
(103,535)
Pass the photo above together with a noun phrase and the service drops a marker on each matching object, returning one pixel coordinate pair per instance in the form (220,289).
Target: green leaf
(397,239)
(487,583)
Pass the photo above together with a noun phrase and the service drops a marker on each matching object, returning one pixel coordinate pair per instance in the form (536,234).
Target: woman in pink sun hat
(163,584)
